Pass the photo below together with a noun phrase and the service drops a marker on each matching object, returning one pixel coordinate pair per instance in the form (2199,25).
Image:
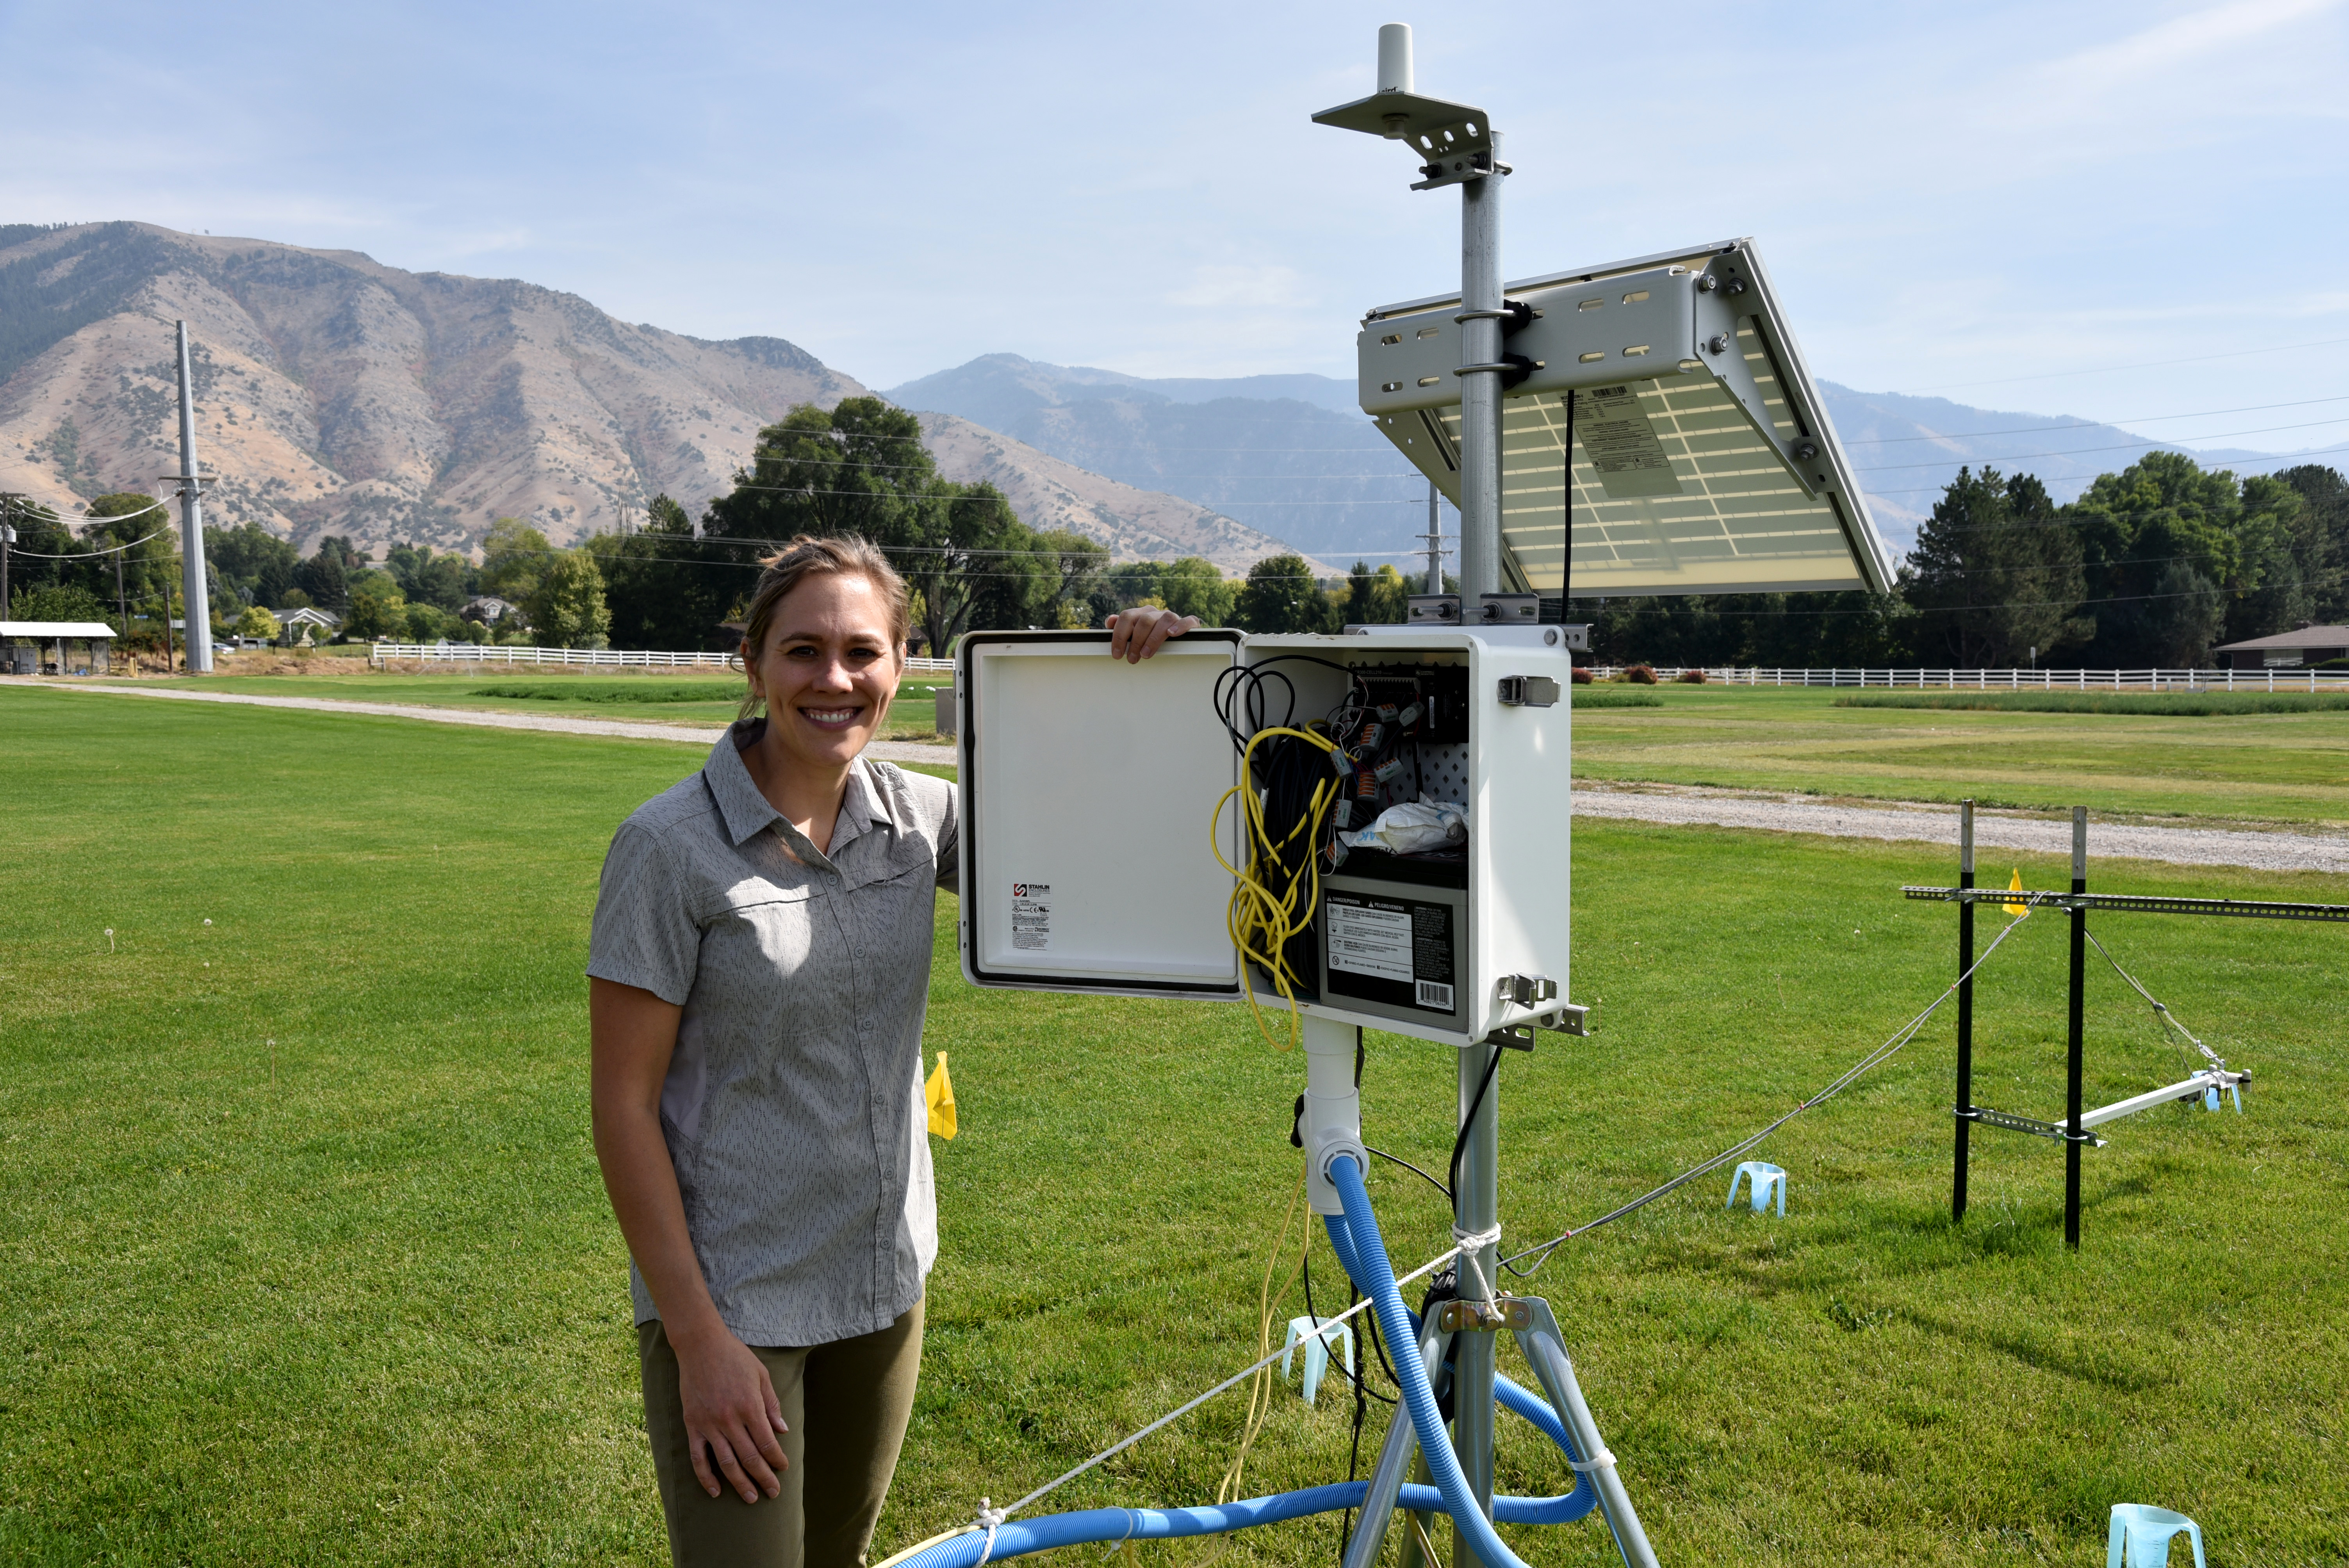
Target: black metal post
(1965,1012)
(2079,987)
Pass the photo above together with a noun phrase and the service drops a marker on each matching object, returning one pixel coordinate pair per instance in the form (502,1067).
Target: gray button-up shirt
(792,1108)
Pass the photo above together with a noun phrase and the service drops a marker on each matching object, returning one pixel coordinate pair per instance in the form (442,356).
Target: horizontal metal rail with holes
(2148,904)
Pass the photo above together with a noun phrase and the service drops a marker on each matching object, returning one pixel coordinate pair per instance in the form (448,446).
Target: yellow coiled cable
(1258,913)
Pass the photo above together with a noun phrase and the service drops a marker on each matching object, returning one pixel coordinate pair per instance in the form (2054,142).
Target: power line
(2087,424)
(2105,369)
(2123,446)
(93,555)
(2288,459)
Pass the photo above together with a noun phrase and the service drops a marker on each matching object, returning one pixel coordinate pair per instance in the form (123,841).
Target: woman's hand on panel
(1137,633)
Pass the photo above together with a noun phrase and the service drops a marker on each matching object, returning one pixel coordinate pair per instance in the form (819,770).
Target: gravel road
(552,724)
(1670,805)
(2280,852)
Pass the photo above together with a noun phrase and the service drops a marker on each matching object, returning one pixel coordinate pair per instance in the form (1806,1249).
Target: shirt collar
(746,810)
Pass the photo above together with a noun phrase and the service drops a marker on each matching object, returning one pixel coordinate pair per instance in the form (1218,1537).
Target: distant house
(291,621)
(487,608)
(2287,650)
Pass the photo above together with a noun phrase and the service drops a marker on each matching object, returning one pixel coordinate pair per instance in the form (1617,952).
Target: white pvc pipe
(1332,1104)
(2208,1079)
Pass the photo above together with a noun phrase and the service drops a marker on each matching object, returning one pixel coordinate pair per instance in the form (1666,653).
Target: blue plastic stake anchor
(1316,1342)
(1765,1177)
(2139,1536)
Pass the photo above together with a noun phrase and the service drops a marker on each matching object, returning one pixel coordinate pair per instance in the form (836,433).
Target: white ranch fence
(381,655)
(2283,678)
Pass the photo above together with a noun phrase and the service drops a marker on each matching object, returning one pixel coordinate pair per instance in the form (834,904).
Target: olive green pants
(846,1404)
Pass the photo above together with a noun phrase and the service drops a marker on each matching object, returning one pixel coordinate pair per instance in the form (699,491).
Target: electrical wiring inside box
(1398,733)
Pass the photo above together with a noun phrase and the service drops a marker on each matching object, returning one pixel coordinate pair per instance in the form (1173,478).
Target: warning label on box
(1370,939)
(1399,951)
(1032,916)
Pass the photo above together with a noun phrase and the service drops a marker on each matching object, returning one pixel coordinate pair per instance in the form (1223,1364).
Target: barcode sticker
(1433,994)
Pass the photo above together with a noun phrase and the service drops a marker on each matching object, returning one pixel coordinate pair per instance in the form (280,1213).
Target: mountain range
(338,395)
(1291,456)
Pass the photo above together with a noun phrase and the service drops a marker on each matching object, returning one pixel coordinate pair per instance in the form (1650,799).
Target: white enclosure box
(1089,784)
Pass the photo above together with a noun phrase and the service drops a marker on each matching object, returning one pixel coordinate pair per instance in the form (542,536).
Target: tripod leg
(1545,1348)
(1401,1448)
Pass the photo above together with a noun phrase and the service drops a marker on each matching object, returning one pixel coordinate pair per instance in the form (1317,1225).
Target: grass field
(357,1297)
(2144,703)
(661,696)
(2282,767)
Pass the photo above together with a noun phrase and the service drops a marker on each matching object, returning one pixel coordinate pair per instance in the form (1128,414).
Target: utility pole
(192,529)
(121,613)
(1434,539)
(9,500)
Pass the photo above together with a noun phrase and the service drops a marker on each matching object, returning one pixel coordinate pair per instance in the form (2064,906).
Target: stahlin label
(1032,916)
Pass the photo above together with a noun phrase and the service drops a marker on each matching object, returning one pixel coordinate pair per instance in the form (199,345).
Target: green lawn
(373,1309)
(2288,768)
(657,696)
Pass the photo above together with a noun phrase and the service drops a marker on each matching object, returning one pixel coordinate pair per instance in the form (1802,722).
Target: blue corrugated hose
(1092,1526)
(1367,1259)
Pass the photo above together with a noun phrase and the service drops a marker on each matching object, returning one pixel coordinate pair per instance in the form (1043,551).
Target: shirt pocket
(763,934)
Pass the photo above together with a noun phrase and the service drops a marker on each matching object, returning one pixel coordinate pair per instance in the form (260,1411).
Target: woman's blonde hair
(808,556)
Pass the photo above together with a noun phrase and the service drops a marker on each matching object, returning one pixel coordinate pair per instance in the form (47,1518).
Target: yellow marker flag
(2015,885)
(938,1094)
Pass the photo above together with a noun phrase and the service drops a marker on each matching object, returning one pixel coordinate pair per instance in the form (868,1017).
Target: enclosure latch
(1525,990)
(1528,691)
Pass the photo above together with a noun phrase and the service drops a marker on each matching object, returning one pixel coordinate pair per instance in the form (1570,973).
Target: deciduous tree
(566,610)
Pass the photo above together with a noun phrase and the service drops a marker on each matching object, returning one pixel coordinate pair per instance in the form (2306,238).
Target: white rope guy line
(1233,1382)
(1900,1037)
(2161,1009)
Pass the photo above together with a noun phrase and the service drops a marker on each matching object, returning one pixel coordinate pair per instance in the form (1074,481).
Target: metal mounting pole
(1479,1209)
(1965,1010)
(1480,391)
(192,591)
(2079,987)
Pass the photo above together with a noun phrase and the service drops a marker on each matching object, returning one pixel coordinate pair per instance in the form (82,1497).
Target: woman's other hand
(1135,634)
(731,1414)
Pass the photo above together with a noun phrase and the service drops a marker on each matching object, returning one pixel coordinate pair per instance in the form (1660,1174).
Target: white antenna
(1394,57)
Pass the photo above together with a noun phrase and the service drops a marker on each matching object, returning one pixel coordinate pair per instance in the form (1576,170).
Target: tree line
(2151,567)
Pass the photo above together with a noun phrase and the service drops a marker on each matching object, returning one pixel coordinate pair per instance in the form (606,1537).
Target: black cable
(1415,1170)
(1460,1143)
(1343,1371)
(1353,1449)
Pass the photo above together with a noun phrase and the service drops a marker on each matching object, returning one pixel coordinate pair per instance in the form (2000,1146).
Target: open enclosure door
(1087,787)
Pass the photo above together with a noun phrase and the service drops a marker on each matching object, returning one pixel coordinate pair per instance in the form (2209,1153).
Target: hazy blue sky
(1982,200)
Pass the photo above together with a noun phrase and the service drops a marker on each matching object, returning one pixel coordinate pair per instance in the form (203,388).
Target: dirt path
(2280,852)
(1674,805)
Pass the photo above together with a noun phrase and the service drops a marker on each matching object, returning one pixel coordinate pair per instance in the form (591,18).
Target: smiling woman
(744,1076)
(757,975)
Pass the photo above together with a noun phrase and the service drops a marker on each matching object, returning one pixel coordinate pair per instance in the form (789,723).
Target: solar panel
(1703,459)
